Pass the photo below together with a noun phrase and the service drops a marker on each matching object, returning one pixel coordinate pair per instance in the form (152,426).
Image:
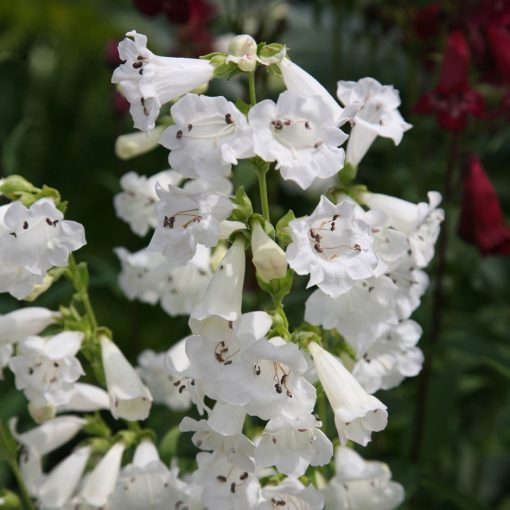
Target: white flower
(222,186)
(223,295)
(129,398)
(372,110)
(360,315)
(291,494)
(334,245)
(162,385)
(209,136)
(392,357)
(185,220)
(242,50)
(134,144)
(361,485)
(299,82)
(59,486)
(300,134)
(136,203)
(268,258)
(38,237)
(420,222)
(25,322)
(357,414)
(149,81)
(293,444)
(225,486)
(100,482)
(46,368)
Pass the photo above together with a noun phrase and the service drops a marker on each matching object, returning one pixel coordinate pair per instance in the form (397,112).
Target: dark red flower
(453,99)
(149,7)
(499,42)
(426,21)
(481,219)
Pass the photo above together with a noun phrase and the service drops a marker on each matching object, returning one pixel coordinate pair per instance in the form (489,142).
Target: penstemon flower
(300,134)
(209,135)
(149,81)
(134,144)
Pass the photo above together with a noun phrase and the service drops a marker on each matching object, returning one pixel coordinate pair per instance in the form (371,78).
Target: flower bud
(268,258)
(134,144)
(242,50)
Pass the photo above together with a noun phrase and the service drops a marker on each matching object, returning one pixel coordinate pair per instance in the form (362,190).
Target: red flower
(481,219)
(149,7)
(499,41)
(453,99)
(426,21)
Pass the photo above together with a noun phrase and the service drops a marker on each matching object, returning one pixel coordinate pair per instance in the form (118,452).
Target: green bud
(271,53)
(9,500)
(282,230)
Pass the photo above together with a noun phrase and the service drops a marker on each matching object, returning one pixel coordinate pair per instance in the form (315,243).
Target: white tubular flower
(185,220)
(225,486)
(357,414)
(300,134)
(334,245)
(135,144)
(372,110)
(268,258)
(360,315)
(298,81)
(221,187)
(242,50)
(361,485)
(149,81)
(58,487)
(223,296)
(391,358)
(135,204)
(101,481)
(208,137)
(292,445)
(46,368)
(25,322)
(86,398)
(129,397)
(291,494)
(162,385)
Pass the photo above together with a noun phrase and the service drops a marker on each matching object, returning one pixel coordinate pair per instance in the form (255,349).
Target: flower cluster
(253,380)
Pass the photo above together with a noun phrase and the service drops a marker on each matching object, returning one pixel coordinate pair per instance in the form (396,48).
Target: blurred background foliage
(58,123)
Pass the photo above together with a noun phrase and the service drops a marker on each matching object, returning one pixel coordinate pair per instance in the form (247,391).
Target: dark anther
(357,247)
(25,225)
(13,234)
(307,125)
(190,127)
(221,478)
(178,135)
(228,118)
(278,387)
(277,124)
(168,222)
(233,487)
(138,64)
(244,476)
(316,145)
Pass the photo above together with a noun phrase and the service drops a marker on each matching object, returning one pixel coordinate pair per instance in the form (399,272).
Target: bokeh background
(448,439)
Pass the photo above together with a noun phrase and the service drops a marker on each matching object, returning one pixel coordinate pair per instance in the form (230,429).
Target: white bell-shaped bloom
(149,81)
(209,136)
(200,185)
(85,398)
(25,322)
(357,414)
(268,258)
(38,237)
(135,204)
(293,444)
(372,110)
(291,494)
(300,134)
(225,486)
(223,296)
(361,485)
(185,220)
(100,482)
(360,315)
(298,81)
(135,144)
(391,358)
(335,246)
(58,487)
(242,50)
(129,397)
(47,368)
(162,385)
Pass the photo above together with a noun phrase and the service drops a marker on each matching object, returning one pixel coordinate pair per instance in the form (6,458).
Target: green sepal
(50,278)
(266,225)
(302,337)
(96,426)
(169,444)
(242,106)
(243,209)
(9,500)
(347,174)
(277,288)
(8,445)
(274,70)
(272,53)
(280,325)
(282,231)
(15,186)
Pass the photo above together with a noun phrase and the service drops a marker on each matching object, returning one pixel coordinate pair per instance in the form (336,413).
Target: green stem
(89,310)
(25,496)
(264,202)
(251,86)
